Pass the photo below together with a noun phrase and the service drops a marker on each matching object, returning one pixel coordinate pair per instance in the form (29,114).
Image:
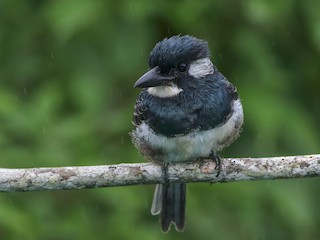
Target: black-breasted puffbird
(186,111)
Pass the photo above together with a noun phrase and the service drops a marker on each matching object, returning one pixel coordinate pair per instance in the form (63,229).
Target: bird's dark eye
(182,67)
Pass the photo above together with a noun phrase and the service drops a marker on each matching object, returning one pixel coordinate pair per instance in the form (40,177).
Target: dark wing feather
(232,91)
(140,111)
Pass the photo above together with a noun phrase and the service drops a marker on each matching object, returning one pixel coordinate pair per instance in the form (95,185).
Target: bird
(186,111)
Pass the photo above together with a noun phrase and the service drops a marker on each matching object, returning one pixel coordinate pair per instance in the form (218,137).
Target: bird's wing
(232,91)
(140,111)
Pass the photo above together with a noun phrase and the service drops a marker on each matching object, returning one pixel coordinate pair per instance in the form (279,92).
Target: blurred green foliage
(66,98)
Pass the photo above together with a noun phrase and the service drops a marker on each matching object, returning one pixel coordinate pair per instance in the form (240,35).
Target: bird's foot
(215,157)
(164,167)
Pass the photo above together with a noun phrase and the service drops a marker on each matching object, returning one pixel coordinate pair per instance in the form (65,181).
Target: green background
(67,70)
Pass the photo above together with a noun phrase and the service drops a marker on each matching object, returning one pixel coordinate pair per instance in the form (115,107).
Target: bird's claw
(164,167)
(217,159)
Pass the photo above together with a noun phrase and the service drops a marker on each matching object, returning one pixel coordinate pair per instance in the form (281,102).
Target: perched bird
(186,111)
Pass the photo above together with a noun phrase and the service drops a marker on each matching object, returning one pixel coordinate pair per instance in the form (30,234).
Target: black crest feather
(175,50)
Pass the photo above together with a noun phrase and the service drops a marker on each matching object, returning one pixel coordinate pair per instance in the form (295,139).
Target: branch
(233,169)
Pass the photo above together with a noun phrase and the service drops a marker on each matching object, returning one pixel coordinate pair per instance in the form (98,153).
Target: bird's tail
(170,201)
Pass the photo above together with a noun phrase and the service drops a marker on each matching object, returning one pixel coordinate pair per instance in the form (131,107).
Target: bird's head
(173,61)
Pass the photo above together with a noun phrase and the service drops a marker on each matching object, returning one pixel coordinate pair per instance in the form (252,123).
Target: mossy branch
(233,169)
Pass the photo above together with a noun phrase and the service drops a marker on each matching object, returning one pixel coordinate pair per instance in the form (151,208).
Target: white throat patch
(200,68)
(164,91)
